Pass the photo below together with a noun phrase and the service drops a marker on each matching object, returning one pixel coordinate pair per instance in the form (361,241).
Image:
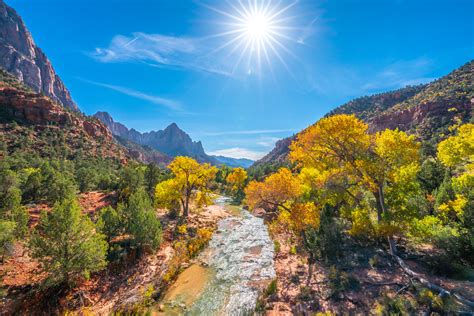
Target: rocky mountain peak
(22,58)
(172,141)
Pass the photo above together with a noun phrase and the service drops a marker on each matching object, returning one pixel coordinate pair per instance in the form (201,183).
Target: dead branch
(442,292)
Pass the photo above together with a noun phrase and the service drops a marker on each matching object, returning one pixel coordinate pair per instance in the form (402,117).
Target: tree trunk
(310,272)
(186,206)
(380,203)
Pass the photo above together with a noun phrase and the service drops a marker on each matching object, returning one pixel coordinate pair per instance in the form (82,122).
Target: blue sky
(150,63)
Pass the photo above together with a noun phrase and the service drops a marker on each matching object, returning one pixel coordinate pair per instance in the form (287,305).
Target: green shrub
(398,305)
(272,288)
(340,281)
(276,246)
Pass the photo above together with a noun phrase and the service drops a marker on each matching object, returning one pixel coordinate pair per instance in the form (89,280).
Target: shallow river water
(230,273)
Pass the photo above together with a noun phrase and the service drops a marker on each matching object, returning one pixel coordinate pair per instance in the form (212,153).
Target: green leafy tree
(445,191)
(109,223)
(10,194)
(31,187)
(153,176)
(56,185)
(67,243)
(86,179)
(142,222)
(430,175)
(131,180)
(7,236)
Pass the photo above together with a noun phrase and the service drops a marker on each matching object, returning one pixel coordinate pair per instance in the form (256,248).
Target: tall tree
(236,179)
(189,177)
(341,145)
(141,221)
(153,175)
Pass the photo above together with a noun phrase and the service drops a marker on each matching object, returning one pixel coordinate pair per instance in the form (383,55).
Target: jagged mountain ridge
(20,56)
(171,141)
(426,111)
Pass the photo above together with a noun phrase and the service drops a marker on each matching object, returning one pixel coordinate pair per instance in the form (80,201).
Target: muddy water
(230,273)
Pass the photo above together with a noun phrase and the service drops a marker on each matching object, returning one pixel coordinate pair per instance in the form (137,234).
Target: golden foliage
(190,177)
(458,150)
(276,191)
(237,178)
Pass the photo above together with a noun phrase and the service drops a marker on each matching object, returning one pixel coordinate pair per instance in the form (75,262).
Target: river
(229,274)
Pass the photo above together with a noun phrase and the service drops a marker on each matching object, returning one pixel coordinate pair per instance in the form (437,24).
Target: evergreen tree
(141,221)
(67,243)
(131,180)
(445,191)
(430,175)
(10,194)
(109,223)
(7,236)
(153,176)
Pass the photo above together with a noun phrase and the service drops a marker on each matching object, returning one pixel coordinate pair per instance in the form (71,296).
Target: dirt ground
(386,277)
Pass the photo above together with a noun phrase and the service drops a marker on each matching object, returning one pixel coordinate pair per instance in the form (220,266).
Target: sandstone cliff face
(40,110)
(414,119)
(21,57)
(171,141)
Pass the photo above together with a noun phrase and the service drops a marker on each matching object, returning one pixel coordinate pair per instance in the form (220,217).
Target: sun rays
(256,33)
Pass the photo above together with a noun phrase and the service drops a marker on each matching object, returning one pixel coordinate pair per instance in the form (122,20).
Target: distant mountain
(171,141)
(22,58)
(426,111)
(234,162)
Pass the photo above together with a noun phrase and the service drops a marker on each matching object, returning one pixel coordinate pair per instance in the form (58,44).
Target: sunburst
(256,32)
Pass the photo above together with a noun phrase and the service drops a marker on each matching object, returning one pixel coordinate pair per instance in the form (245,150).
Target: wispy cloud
(159,50)
(238,152)
(401,73)
(267,142)
(169,103)
(307,31)
(247,132)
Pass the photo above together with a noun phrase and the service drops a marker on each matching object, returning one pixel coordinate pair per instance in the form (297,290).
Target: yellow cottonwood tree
(275,191)
(189,177)
(237,179)
(340,146)
(457,152)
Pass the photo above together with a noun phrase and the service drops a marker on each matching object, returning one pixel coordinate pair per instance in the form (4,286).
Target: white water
(240,257)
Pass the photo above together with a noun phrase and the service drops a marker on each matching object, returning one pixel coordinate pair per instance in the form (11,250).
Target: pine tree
(67,243)
(142,222)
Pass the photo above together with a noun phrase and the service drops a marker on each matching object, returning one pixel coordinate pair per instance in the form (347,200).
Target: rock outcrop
(34,108)
(278,154)
(21,57)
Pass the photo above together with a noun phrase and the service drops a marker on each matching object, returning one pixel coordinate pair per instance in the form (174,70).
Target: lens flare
(256,30)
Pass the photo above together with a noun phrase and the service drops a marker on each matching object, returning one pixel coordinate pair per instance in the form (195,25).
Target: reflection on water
(234,268)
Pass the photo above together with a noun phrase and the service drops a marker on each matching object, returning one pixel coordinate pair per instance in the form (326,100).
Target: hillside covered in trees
(426,111)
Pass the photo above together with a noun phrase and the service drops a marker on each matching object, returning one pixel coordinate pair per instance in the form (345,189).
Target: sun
(258,26)
(255,32)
